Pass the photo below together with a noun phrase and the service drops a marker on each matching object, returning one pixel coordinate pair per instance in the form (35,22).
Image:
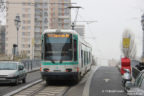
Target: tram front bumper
(59,75)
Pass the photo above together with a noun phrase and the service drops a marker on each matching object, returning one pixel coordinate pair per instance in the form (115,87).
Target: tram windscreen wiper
(61,61)
(52,61)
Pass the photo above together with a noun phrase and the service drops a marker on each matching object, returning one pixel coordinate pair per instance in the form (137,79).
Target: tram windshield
(58,47)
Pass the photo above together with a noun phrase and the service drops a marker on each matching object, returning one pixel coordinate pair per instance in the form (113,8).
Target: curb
(87,85)
(22,88)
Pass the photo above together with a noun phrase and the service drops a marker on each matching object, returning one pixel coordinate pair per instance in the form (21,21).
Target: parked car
(136,88)
(12,72)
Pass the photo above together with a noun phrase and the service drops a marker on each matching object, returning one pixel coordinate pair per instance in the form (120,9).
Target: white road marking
(106,80)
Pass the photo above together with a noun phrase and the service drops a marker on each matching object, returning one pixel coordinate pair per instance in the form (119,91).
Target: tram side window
(42,52)
(82,58)
(75,50)
(87,58)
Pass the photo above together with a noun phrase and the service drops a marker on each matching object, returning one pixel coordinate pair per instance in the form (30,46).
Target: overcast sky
(113,16)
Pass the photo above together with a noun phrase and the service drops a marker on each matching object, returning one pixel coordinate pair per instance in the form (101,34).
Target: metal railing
(135,72)
(31,64)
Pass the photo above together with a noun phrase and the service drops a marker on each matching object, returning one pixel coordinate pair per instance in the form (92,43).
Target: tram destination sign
(59,35)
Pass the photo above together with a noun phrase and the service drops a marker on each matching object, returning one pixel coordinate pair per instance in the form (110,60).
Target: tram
(65,55)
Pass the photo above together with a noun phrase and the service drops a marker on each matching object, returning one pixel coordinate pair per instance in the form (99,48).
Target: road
(77,90)
(106,81)
(31,77)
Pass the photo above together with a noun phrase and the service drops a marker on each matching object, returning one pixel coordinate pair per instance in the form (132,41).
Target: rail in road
(43,89)
(103,80)
(54,88)
(32,77)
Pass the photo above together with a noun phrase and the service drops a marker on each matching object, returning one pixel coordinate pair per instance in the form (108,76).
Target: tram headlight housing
(68,70)
(46,69)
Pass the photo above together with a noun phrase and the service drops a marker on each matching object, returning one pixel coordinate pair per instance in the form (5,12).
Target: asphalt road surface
(106,81)
(77,90)
(31,77)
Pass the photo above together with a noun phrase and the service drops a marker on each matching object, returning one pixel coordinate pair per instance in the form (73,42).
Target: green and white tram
(65,55)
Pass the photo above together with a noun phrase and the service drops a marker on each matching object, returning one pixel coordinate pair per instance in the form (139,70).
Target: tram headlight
(77,69)
(46,70)
(69,70)
(40,68)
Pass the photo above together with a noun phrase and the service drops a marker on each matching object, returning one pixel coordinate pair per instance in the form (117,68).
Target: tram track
(43,89)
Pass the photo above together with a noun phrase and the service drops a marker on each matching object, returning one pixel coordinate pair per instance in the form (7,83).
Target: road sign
(126,42)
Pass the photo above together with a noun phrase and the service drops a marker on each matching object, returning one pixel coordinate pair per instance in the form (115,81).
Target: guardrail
(31,64)
(135,72)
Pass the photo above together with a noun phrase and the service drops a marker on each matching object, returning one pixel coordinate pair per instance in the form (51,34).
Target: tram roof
(60,30)
(65,31)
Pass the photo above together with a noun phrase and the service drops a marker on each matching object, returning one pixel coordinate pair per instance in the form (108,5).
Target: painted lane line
(88,83)
(22,88)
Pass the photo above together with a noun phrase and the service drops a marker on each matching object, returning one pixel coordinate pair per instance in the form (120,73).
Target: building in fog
(80,29)
(35,16)
(2,39)
(112,62)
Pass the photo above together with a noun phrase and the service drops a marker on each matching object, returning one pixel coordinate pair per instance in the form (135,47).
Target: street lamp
(142,22)
(17,24)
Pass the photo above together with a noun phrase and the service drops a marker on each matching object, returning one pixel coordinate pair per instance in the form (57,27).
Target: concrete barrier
(135,72)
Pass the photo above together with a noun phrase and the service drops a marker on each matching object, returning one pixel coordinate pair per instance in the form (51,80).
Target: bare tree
(2,5)
(129,51)
(2,9)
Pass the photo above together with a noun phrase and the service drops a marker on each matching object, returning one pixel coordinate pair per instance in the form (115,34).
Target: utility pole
(142,21)
(17,24)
